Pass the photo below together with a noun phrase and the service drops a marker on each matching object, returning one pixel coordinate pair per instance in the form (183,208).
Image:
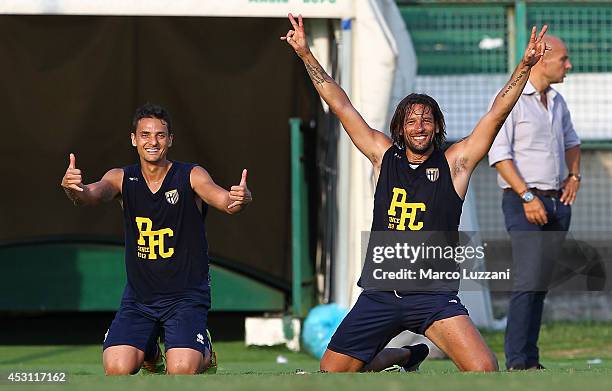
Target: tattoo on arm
(317,74)
(72,197)
(459,166)
(514,82)
(106,194)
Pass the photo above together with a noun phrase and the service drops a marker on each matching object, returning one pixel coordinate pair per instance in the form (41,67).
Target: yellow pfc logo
(150,240)
(409,210)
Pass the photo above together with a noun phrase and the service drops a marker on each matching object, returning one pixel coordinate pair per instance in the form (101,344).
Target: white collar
(530,90)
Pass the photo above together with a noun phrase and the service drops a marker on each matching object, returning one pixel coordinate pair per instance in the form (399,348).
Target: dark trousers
(534,252)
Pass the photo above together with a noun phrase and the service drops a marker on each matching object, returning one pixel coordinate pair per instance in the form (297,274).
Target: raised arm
(105,190)
(231,202)
(370,142)
(465,155)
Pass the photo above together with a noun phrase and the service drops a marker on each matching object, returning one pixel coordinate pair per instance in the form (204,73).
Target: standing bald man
(530,153)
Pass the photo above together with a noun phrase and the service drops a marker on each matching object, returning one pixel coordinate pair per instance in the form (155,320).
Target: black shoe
(523,367)
(537,367)
(418,353)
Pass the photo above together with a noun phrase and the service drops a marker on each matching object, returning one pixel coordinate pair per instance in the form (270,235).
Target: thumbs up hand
(72,180)
(240,195)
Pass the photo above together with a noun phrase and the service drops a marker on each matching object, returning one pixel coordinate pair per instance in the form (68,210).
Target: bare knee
(120,368)
(326,365)
(460,340)
(485,364)
(337,362)
(121,360)
(184,361)
(182,368)
(332,368)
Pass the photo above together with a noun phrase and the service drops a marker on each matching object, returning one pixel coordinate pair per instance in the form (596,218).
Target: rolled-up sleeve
(570,137)
(502,145)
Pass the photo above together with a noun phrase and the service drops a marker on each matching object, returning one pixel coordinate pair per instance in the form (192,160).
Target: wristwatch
(527,196)
(574,176)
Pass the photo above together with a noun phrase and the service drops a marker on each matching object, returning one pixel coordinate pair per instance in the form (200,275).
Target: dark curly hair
(152,110)
(404,108)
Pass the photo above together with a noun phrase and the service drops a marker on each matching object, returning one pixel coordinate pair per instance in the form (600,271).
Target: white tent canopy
(221,8)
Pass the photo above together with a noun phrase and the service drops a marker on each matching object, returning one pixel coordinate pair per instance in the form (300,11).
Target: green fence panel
(91,277)
(458,39)
(585,28)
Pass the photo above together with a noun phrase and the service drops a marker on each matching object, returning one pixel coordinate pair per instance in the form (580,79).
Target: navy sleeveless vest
(416,199)
(166,251)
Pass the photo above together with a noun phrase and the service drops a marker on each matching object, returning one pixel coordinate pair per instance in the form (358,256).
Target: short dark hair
(152,110)
(403,109)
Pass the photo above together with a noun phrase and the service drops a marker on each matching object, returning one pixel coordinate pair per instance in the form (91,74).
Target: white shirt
(536,139)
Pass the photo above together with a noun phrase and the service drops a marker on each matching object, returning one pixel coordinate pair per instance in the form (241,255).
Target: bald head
(553,42)
(554,65)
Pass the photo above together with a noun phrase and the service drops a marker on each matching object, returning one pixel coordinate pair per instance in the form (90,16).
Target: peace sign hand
(297,37)
(536,47)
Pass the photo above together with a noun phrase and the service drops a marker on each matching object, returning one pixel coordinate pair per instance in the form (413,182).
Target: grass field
(567,350)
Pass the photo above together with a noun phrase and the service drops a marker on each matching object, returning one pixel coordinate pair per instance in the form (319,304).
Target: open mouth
(152,150)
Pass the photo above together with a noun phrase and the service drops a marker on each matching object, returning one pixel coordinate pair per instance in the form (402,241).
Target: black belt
(543,193)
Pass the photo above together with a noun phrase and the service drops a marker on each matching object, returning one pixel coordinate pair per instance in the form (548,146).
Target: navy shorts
(184,325)
(377,317)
